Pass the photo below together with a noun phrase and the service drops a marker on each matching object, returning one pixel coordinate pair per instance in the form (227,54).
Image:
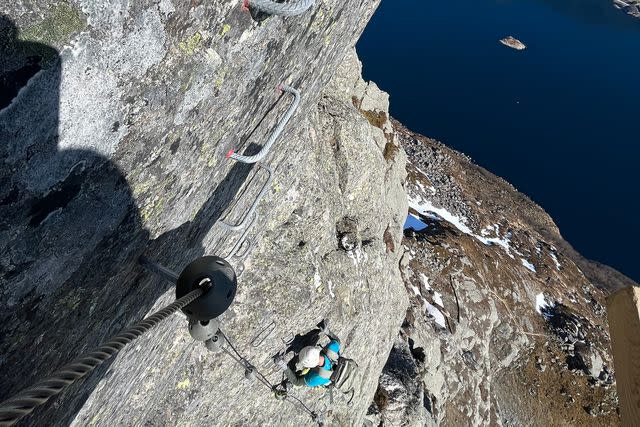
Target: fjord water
(559,120)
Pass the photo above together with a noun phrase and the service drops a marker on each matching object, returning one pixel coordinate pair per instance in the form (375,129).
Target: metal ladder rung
(245,219)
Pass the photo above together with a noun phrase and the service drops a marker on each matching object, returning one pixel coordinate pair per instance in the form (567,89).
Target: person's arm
(293,378)
(325,330)
(334,337)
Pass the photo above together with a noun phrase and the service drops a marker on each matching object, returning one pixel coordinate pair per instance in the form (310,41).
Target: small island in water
(513,43)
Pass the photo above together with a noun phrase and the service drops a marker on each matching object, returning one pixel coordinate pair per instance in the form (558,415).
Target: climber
(315,365)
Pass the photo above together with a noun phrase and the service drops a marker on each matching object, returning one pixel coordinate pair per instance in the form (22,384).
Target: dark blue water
(559,120)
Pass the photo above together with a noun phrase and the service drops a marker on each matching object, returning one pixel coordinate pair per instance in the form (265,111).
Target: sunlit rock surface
(504,326)
(114,146)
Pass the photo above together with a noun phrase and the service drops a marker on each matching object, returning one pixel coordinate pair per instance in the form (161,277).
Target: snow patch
(427,190)
(425,281)
(555,259)
(317,281)
(527,264)
(437,298)
(431,310)
(426,208)
(541,303)
(357,255)
(436,314)
(504,243)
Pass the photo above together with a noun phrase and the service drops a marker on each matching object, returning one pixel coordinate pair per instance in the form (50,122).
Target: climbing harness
(343,370)
(276,132)
(284,9)
(206,287)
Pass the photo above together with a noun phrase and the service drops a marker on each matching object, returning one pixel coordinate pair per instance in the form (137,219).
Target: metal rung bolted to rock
(217,277)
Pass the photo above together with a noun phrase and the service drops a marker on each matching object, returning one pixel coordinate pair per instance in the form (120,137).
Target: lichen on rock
(133,124)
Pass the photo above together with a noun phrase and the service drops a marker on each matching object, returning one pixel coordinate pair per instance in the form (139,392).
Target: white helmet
(309,356)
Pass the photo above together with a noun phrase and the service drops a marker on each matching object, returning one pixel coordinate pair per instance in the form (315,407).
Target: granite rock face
(113,146)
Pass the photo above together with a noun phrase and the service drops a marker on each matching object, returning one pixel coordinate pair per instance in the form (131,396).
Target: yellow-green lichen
(94,420)
(194,212)
(72,301)
(157,205)
(97,417)
(191,44)
(205,148)
(320,19)
(219,81)
(225,30)
(207,153)
(184,384)
(186,84)
(141,188)
(212,162)
(54,31)
(62,20)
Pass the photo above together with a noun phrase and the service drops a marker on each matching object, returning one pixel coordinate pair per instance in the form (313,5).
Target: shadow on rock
(70,235)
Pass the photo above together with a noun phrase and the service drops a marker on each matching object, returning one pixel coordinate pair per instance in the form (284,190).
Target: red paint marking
(245,6)
(230,153)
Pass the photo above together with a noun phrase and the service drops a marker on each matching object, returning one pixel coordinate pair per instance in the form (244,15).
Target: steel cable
(283,9)
(247,365)
(26,401)
(245,362)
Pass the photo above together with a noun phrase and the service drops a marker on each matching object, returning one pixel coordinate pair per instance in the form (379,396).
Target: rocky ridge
(504,327)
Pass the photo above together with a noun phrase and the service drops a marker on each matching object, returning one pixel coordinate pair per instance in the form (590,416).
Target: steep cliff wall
(116,138)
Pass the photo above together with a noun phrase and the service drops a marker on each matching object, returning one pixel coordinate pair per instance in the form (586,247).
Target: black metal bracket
(214,274)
